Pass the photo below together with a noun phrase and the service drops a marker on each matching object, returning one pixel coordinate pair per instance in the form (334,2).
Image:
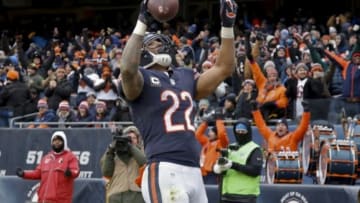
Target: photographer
(240,167)
(120,164)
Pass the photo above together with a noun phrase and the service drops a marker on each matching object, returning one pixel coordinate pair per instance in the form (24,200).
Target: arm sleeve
(282,101)
(33,174)
(107,164)
(300,131)
(138,155)
(259,77)
(253,165)
(260,123)
(222,134)
(200,134)
(74,167)
(342,62)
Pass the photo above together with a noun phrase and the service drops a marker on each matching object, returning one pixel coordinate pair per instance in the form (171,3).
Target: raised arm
(131,79)
(225,62)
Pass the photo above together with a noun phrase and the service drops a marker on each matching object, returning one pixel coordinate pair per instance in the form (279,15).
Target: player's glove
(19,172)
(228,9)
(144,15)
(67,172)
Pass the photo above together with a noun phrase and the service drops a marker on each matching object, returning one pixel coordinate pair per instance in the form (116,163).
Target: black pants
(239,199)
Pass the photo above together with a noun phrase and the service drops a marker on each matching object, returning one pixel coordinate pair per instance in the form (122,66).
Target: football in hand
(163,10)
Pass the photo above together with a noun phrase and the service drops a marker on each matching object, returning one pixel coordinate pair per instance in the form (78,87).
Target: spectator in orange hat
(12,98)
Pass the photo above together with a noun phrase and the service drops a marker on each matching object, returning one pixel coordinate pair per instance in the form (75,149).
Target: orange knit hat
(12,75)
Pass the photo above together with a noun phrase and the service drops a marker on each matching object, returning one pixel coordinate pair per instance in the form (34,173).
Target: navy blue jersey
(164,114)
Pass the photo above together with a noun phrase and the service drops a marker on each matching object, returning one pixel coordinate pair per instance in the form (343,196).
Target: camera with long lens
(121,141)
(225,153)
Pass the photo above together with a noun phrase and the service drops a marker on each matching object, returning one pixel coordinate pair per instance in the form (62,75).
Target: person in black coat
(30,105)
(58,90)
(302,88)
(12,98)
(246,94)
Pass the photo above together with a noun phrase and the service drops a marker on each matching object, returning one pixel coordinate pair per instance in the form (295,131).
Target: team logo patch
(155,82)
(293,197)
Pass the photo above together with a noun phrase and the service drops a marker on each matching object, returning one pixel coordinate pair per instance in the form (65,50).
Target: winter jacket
(209,151)
(48,116)
(61,92)
(265,94)
(351,75)
(55,187)
(14,96)
(291,139)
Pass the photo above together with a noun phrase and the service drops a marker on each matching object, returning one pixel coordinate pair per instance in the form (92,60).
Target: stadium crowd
(74,77)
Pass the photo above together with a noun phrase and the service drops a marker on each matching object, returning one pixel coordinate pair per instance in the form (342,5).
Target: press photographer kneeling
(240,167)
(120,165)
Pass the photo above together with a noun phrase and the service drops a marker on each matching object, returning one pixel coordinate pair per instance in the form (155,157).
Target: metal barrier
(14,119)
(102,124)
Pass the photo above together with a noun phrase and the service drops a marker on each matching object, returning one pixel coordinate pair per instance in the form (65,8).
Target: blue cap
(241,128)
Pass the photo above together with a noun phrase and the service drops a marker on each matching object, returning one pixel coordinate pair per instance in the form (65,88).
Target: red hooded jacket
(55,187)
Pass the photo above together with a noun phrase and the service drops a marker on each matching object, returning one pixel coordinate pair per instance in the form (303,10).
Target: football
(163,10)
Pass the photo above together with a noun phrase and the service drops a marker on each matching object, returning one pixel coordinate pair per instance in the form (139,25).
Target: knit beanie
(64,105)
(301,65)
(84,105)
(42,103)
(269,63)
(283,121)
(100,104)
(12,75)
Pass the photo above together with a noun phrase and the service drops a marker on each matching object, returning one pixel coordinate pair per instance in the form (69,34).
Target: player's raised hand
(144,15)
(228,10)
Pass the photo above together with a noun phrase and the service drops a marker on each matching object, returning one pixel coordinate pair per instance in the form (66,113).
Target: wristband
(140,28)
(227,32)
